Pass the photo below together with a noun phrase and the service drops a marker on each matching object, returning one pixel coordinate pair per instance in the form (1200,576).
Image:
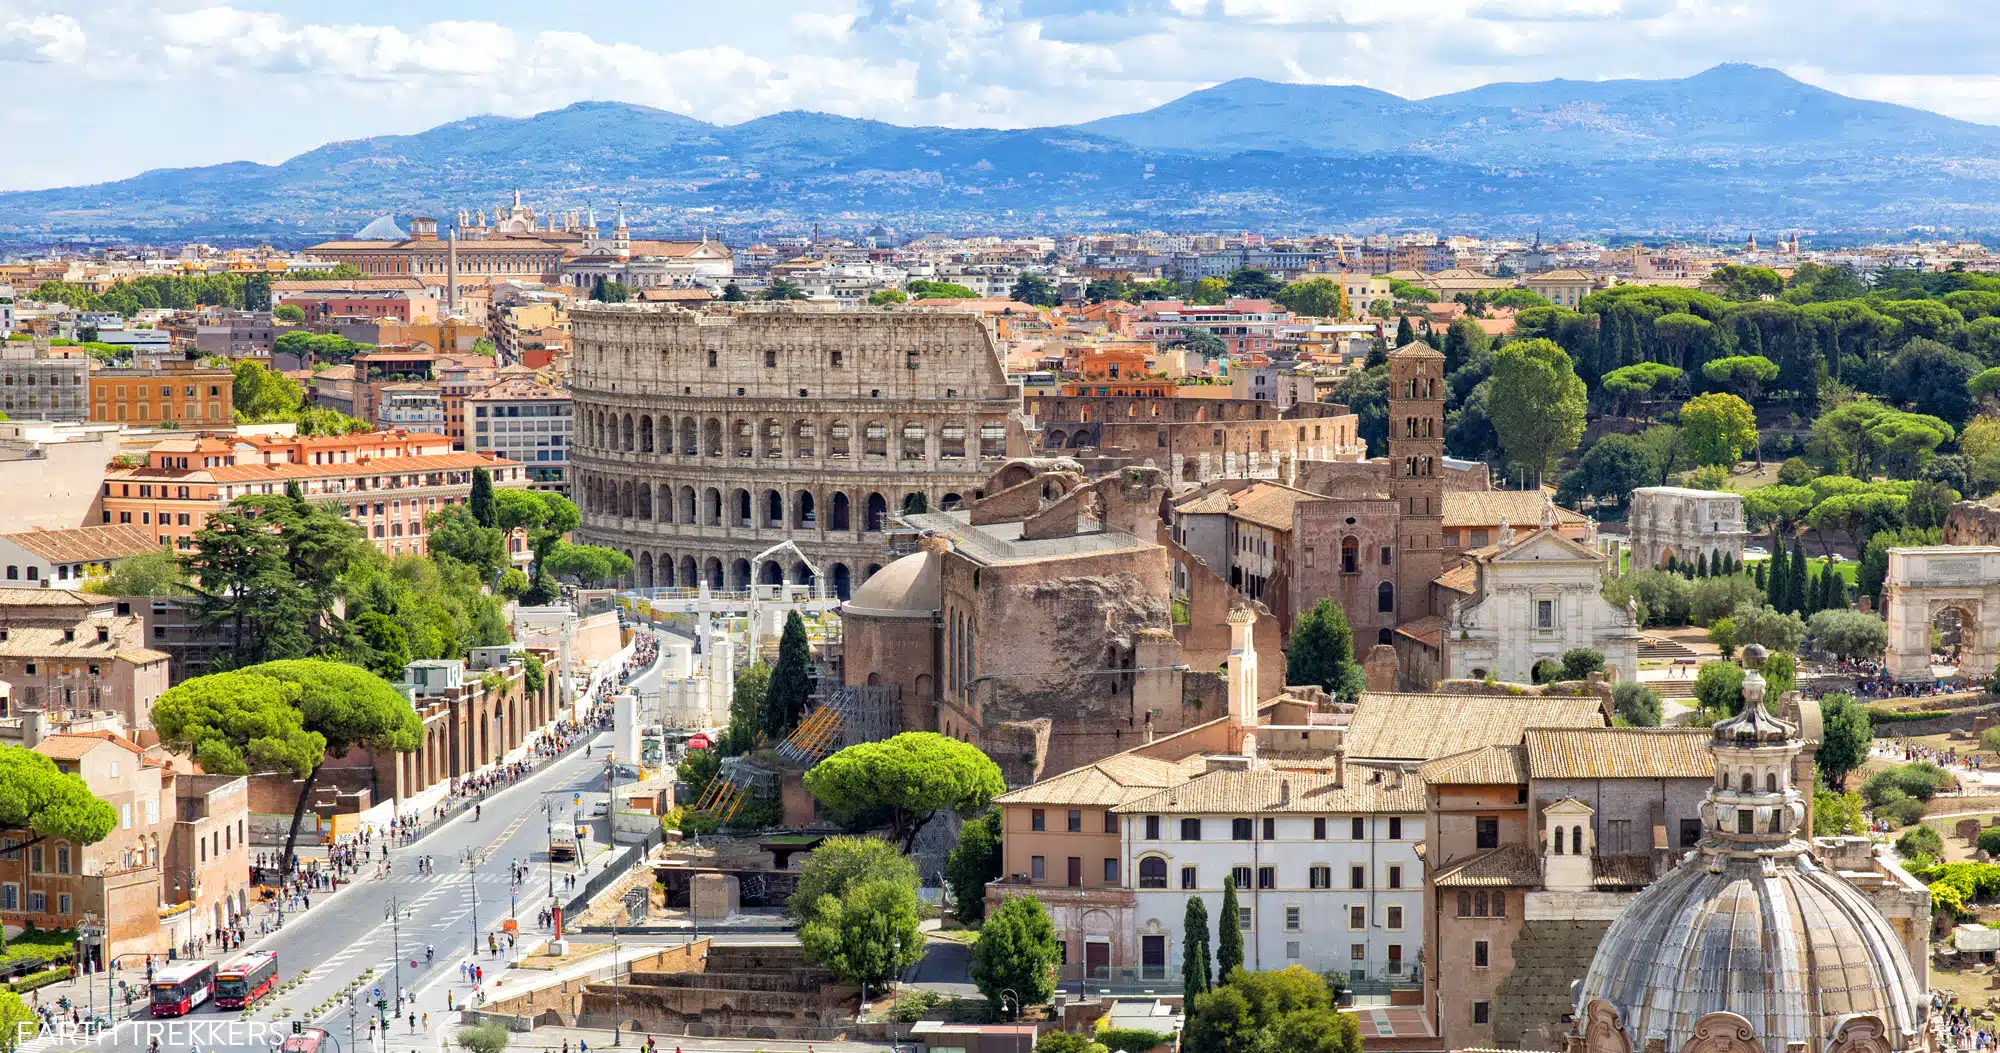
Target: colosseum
(702,440)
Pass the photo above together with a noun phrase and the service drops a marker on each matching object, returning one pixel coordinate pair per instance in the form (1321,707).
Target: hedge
(41,979)
(1880,717)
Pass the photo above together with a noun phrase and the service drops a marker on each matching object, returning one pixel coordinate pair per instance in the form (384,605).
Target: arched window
(1747,785)
(837,512)
(1385,598)
(1152,872)
(1479,904)
(1465,904)
(1499,904)
(1350,555)
(1576,840)
(1559,840)
(1770,782)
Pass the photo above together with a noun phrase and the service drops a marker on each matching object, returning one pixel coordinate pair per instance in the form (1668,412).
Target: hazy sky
(104,89)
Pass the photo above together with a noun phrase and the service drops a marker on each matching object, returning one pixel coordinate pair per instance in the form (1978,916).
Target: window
(1357,876)
(1245,920)
(1292,919)
(1744,820)
(1500,904)
(1037,868)
(1482,1012)
(1037,820)
(1270,829)
(1191,829)
(35,860)
(1357,917)
(1189,878)
(10,897)
(1482,954)
(38,902)
(1350,555)
(1152,828)
(1488,828)
(1545,614)
(1292,949)
(1395,876)
(1152,872)
(62,903)
(1110,823)
(1360,828)
(1394,919)
(1241,878)
(1074,822)
(1267,877)
(62,859)
(1111,871)
(1395,828)
(1690,833)
(1385,598)
(1319,828)
(1320,877)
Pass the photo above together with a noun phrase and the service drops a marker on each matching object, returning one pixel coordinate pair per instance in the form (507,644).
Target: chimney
(1284,793)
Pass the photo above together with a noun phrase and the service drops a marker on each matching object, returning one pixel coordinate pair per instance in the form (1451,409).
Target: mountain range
(1734,147)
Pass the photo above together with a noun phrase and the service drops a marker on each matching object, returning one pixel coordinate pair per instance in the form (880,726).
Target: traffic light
(298,1027)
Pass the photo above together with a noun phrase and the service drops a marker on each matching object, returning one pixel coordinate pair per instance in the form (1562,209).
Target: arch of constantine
(1926,583)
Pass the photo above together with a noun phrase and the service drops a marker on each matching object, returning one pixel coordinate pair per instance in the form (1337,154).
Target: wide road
(383,924)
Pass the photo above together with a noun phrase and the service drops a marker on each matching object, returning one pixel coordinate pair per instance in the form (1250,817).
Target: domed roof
(906,588)
(1793,949)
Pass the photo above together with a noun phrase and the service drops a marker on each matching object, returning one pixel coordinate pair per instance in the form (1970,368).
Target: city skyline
(286,77)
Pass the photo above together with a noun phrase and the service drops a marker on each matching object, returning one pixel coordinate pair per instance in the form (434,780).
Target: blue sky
(106,89)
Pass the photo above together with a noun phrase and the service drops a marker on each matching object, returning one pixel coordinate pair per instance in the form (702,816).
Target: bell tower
(1416,473)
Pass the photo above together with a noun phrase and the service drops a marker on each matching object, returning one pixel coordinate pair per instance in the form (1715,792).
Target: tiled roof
(1204,502)
(46,641)
(1267,504)
(517,389)
(1417,349)
(88,543)
(1485,766)
(1633,870)
(1111,781)
(243,473)
(1424,727)
(47,598)
(1571,275)
(1462,577)
(1517,508)
(1508,866)
(72,745)
(1428,630)
(1620,753)
(335,285)
(1269,790)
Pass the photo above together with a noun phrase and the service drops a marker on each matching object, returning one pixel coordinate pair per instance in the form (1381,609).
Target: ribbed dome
(1789,946)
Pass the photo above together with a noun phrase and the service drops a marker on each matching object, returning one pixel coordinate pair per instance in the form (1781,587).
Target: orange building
(384,482)
(1114,371)
(181,392)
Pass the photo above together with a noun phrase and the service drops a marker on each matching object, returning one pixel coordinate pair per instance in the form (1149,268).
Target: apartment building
(44,383)
(224,332)
(385,482)
(52,473)
(458,378)
(521,420)
(177,392)
(403,299)
(69,651)
(44,558)
(1244,326)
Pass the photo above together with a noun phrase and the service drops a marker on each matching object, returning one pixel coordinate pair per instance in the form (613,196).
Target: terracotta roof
(243,473)
(1267,504)
(1111,781)
(1417,349)
(1463,577)
(1620,753)
(334,285)
(1633,870)
(516,389)
(87,543)
(1518,508)
(11,597)
(1270,790)
(1428,630)
(46,641)
(1204,502)
(1485,766)
(1569,275)
(1504,867)
(72,745)
(659,294)
(1424,727)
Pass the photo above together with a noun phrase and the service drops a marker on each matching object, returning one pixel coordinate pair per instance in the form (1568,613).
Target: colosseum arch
(746,438)
(950,501)
(837,512)
(803,512)
(711,437)
(642,568)
(642,501)
(802,438)
(688,578)
(774,438)
(711,571)
(774,509)
(645,433)
(625,499)
(1926,587)
(739,507)
(711,503)
(843,581)
(801,574)
(686,511)
(1055,439)
(664,571)
(739,574)
(770,573)
(878,511)
(625,431)
(690,437)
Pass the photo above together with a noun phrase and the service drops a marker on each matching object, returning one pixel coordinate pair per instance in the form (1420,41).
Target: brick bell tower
(1416,473)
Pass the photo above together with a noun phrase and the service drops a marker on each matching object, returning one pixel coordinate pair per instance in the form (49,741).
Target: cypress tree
(294,491)
(482,498)
(1228,934)
(1701,566)
(1194,949)
(1758,575)
(1405,336)
(1775,589)
(1728,563)
(1795,579)
(791,679)
(1321,651)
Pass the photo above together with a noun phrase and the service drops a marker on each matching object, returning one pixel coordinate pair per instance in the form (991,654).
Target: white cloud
(42,38)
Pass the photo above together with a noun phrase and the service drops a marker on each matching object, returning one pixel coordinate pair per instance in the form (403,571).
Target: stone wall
(1548,956)
(1973,523)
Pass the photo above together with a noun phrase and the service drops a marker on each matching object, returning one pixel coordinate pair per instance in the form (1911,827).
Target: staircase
(1658,649)
(816,736)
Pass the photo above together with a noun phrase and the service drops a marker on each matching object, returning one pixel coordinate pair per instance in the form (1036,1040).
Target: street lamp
(395,919)
(87,936)
(471,861)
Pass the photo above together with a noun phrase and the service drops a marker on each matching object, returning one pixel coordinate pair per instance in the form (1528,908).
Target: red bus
(310,1040)
(180,986)
(248,978)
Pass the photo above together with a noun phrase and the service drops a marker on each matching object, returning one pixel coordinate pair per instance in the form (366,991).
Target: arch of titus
(1924,582)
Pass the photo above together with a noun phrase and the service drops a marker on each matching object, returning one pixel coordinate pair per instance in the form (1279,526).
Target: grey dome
(1789,946)
(382,228)
(906,588)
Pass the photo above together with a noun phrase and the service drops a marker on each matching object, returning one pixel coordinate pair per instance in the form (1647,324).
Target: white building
(1535,597)
(1677,521)
(524,421)
(1325,864)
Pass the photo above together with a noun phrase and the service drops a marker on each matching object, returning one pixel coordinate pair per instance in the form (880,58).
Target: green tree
(147,574)
(1742,283)
(1035,289)
(455,533)
(1195,976)
(1875,556)
(488,1037)
(259,394)
(1132,1039)
(1718,428)
(1253,284)
(1611,469)
(887,297)
(841,863)
(1835,814)
(1775,630)
(17,1022)
(587,565)
(386,645)
(1017,951)
(286,312)
(791,679)
(746,710)
(1628,384)
(733,293)
(1321,651)
(1741,374)
(1932,379)
(1636,704)
(1069,1042)
(608,291)
(1846,732)
(1537,404)
(1849,634)
(1923,842)
(1316,297)
(1718,686)
(481,502)
(914,775)
(867,936)
(46,802)
(1579,662)
(1228,934)
(783,289)
(1405,334)
(1722,633)
(923,289)
(1795,580)
(973,862)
